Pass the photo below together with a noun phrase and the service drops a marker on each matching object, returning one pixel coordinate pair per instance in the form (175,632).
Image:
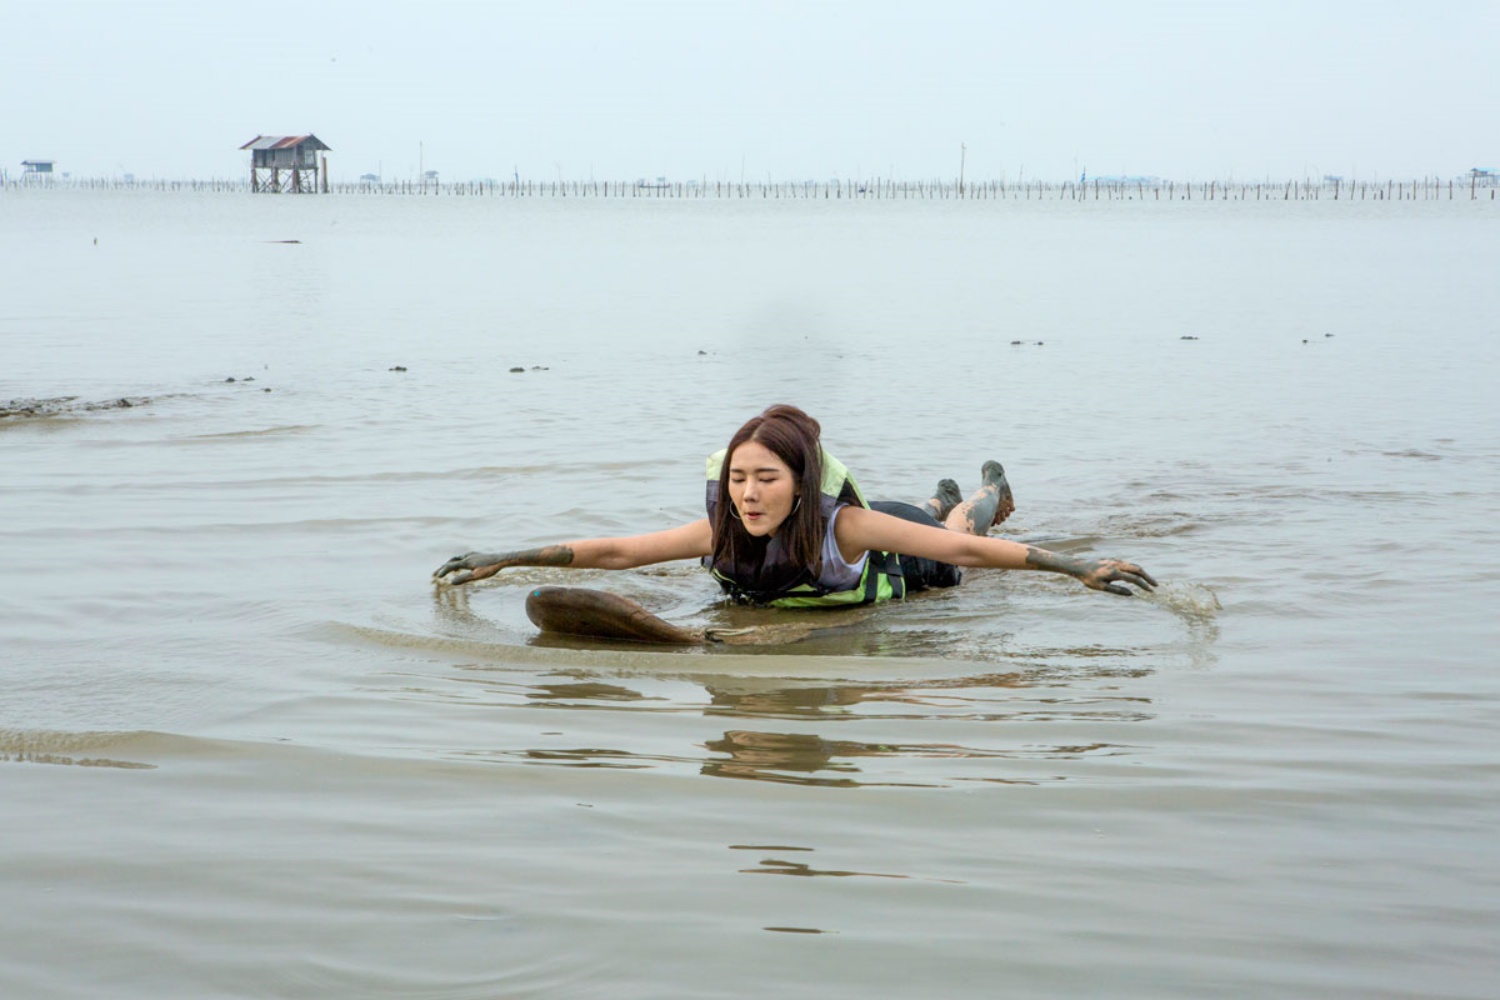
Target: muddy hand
(468,568)
(1108,574)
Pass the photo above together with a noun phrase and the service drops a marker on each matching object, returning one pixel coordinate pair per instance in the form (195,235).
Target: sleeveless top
(837,574)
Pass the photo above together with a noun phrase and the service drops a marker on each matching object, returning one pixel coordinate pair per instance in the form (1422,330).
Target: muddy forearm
(547,555)
(1053,562)
(589,553)
(1107,575)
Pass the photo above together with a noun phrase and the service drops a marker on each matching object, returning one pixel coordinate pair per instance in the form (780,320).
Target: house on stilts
(292,163)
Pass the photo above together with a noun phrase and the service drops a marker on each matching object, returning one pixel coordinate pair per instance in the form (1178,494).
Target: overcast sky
(793,91)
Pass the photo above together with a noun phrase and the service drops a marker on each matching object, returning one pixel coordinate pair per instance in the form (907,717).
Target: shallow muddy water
(249,749)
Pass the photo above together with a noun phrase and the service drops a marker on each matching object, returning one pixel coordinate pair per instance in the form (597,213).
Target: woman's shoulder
(847,517)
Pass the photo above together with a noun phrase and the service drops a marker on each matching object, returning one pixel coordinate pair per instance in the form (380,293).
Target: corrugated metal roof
(284,142)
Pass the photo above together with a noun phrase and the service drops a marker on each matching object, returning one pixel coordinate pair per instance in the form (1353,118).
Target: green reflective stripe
(877,584)
(835,476)
(837,599)
(716,464)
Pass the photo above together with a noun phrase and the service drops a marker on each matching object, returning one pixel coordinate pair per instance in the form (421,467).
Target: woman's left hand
(1102,574)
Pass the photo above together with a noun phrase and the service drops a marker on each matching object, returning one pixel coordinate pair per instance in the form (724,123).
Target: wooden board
(598,614)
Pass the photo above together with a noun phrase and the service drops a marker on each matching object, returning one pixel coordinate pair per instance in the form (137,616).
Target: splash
(1190,600)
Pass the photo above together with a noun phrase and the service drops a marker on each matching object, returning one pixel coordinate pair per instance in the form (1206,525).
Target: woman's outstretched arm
(689,541)
(858,530)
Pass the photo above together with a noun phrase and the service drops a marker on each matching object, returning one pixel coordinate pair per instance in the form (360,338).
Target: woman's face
(761,487)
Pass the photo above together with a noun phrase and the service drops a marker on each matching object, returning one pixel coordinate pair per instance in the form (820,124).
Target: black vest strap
(890,564)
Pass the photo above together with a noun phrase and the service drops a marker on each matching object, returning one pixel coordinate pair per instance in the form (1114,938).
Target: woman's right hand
(1103,574)
(469,567)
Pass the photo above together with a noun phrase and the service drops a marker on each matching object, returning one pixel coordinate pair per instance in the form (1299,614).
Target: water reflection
(775,866)
(816,760)
(571,691)
(762,702)
(1059,704)
(789,758)
(942,698)
(801,758)
(759,699)
(580,757)
(1083,701)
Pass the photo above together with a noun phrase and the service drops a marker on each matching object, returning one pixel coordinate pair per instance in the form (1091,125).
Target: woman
(788,526)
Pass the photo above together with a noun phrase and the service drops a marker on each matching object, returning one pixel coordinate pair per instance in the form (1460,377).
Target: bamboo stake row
(1425,189)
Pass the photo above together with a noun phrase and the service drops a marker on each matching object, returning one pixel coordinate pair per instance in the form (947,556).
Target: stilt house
(288,163)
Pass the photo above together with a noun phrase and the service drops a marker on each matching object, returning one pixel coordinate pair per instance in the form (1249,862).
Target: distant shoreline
(1473,188)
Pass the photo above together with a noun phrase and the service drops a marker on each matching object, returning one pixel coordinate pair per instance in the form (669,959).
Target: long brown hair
(794,437)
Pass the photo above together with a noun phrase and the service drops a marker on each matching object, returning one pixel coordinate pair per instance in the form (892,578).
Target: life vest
(776,581)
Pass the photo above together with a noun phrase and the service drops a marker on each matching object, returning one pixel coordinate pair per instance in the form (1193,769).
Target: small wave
(571,972)
(264,432)
(67,406)
(139,749)
(1155,525)
(87,749)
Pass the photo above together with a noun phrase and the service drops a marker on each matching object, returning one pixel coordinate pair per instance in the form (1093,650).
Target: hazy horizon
(771,91)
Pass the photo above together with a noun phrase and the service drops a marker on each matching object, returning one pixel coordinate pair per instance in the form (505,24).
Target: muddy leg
(943,500)
(987,506)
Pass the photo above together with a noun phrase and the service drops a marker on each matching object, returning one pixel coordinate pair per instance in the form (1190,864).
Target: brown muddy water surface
(247,749)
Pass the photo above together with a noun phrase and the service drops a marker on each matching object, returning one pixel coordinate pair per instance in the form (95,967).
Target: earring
(734,513)
(797,504)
